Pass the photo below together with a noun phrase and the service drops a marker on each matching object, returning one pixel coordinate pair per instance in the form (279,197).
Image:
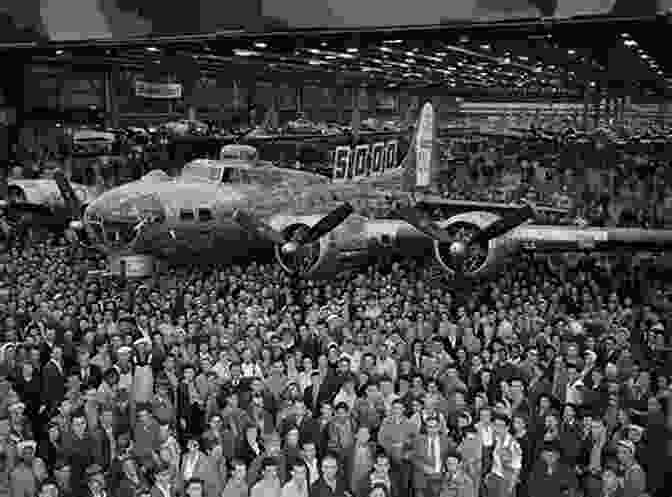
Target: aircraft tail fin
(420,166)
(377,166)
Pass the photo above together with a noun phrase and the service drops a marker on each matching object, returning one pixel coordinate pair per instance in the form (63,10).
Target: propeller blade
(505,224)
(254,225)
(329,222)
(72,203)
(419,221)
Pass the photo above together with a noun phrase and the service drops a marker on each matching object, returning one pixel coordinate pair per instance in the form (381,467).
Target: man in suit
(22,480)
(309,428)
(196,464)
(53,379)
(89,374)
(429,452)
(163,484)
(317,393)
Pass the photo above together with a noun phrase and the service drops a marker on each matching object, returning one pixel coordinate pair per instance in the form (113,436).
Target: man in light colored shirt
(507,459)
(574,389)
(297,486)
(269,485)
(237,484)
(386,365)
(309,454)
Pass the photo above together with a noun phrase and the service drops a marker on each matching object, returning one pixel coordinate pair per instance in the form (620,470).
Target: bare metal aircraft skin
(37,204)
(316,226)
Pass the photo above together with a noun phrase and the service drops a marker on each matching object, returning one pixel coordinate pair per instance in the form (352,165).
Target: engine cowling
(476,260)
(304,260)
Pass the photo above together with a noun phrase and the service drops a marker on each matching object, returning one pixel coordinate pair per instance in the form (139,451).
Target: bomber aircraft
(315,227)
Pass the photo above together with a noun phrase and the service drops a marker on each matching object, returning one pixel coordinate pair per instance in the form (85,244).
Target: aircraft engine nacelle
(350,245)
(302,260)
(477,261)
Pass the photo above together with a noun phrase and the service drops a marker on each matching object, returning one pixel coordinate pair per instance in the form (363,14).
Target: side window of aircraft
(204,215)
(186,214)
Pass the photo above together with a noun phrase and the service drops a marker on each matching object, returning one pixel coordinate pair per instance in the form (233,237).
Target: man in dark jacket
(551,477)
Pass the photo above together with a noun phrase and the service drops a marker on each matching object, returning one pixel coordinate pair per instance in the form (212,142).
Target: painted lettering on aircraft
(364,160)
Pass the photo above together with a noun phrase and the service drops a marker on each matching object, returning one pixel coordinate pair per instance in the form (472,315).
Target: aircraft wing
(450,207)
(548,239)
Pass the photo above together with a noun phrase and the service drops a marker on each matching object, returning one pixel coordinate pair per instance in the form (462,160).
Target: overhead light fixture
(385,49)
(571,51)
(59,52)
(393,42)
(245,53)
(260,44)
(152,49)
(630,43)
(485,46)
(323,44)
(315,62)
(625,35)
(352,50)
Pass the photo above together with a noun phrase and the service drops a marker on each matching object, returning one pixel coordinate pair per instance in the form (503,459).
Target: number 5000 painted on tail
(365,160)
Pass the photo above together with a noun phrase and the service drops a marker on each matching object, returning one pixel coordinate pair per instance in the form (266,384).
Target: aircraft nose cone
(458,249)
(290,247)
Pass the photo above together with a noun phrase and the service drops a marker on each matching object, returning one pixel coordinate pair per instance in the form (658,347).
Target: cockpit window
(186,214)
(201,170)
(204,215)
(235,175)
(237,152)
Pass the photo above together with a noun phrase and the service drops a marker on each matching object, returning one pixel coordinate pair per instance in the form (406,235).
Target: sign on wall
(158,90)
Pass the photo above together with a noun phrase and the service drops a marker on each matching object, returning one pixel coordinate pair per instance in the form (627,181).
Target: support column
(14,95)
(586,111)
(627,103)
(251,107)
(111,83)
(299,99)
(187,72)
(355,116)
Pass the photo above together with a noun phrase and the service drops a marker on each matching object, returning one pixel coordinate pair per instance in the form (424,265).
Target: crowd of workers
(239,382)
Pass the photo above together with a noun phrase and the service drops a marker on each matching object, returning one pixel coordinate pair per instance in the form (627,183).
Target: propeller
(74,208)
(460,248)
(299,237)
(505,224)
(72,203)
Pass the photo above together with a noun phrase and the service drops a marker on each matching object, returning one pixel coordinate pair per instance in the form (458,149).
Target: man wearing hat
(551,477)
(97,485)
(143,376)
(22,479)
(634,477)
(63,477)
